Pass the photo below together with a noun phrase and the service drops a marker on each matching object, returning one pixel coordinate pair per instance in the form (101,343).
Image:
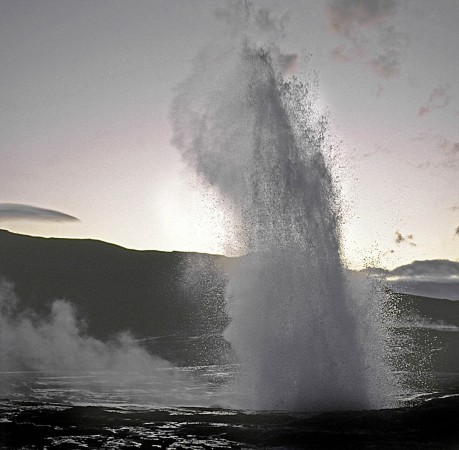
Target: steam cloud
(13,211)
(58,342)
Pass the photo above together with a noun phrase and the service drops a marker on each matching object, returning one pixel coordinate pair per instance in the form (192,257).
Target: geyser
(258,139)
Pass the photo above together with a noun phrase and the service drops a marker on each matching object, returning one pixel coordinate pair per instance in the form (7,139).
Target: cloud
(367,36)
(438,99)
(385,65)
(346,15)
(431,278)
(13,211)
(438,270)
(385,60)
(399,238)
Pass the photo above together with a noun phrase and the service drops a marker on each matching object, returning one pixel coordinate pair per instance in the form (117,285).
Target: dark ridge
(434,309)
(116,289)
(172,296)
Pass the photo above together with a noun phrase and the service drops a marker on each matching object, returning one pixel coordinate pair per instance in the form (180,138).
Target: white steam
(58,343)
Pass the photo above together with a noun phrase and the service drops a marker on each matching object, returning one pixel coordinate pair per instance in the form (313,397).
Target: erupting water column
(257,139)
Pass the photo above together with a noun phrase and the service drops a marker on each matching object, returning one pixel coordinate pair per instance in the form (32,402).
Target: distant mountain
(150,293)
(174,301)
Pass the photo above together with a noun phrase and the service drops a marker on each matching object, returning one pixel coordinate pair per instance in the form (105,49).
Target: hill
(172,300)
(150,293)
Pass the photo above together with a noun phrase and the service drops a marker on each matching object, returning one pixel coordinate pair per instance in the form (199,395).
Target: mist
(57,342)
(52,355)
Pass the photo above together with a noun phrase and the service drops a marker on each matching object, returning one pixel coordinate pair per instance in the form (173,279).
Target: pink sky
(87,87)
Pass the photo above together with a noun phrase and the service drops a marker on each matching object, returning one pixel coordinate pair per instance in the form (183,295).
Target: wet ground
(66,410)
(433,424)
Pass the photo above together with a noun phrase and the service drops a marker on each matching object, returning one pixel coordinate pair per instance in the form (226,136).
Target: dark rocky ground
(431,425)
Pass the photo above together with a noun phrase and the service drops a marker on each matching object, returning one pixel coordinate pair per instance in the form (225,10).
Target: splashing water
(258,139)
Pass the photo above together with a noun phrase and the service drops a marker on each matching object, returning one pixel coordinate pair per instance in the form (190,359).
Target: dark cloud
(345,15)
(438,99)
(399,238)
(387,53)
(431,278)
(438,270)
(367,35)
(385,65)
(12,211)
(429,270)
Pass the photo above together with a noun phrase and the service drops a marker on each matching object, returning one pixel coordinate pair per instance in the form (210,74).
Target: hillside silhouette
(174,301)
(150,293)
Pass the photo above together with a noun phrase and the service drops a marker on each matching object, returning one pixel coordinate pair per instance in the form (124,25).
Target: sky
(85,138)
